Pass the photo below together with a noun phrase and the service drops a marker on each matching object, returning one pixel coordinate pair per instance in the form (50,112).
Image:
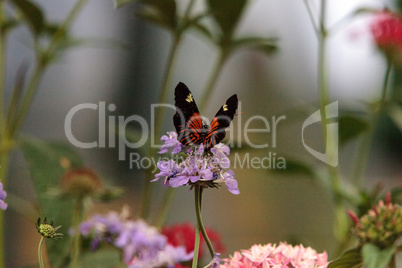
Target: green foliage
(374,257)
(395,113)
(350,259)
(159,12)
(365,10)
(350,127)
(120,3)
(265,45)
(32,13)
(44,161)
(227,14)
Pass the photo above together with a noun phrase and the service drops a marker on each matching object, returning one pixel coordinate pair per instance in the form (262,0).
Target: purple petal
(206,174)
(194,178)
(230,182)
(220,149)
(3,205)
(177,148)
(178,181)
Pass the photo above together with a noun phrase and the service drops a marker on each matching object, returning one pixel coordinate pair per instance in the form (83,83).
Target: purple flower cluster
(198,167)
(3,194)
(142,245)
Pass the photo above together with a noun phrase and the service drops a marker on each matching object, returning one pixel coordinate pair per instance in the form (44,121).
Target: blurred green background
(272,207)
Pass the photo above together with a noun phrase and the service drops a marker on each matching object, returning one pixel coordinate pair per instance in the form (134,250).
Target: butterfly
(191,129)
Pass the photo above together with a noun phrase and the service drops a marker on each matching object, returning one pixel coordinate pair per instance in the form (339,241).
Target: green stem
(196,244)
(392,263)
(363,150)
(61,31)
(340,229)
(167,203)
(78,214)
(42,63)
(198,197)
(8,132)
(27,100)
(3,172)
(186,16)
(3,44)
(159,120)
(41,265)
(207,93)
(166,84)
(147,196)
(160,115)
(311,16)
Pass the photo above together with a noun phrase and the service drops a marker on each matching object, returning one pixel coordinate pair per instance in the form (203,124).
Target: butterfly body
(190,127)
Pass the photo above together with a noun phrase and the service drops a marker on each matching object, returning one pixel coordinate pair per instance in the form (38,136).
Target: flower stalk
(196,244)
(76,241)
(216,70)
(41,265)
(365,145)
(3,152)
(160,116)
(200,226)
(159,119)
(9,131)
(168,200)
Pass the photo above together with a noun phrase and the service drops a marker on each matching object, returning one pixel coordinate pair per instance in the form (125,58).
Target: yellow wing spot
(189,98)
(225,107)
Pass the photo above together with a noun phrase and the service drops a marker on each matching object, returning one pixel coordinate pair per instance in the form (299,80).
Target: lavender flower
(167,257)
(3,194)
(140,243)
(198,167)
(215,263)
(171,142)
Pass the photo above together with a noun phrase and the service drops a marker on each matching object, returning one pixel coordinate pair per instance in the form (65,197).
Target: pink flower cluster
(277,256)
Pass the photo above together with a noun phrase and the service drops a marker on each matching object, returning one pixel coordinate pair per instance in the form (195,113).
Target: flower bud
(81,182)
(382,225)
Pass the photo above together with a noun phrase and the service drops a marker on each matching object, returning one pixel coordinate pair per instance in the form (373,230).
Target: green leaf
(296,167)
(154,17)
(374,257)
(161,12)
(32,13)
(350,127)
(203,30)
(44,160)
(120,3)
(104,43)
(227,14)
(364,10)
(350,259)
(10,24)
(195,22)
(265,45)
(395,113)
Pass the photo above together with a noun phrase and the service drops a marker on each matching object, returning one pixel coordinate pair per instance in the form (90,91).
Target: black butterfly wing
(220,122)
(187,119)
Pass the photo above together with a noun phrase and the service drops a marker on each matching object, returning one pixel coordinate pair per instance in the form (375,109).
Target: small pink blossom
(277,256)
